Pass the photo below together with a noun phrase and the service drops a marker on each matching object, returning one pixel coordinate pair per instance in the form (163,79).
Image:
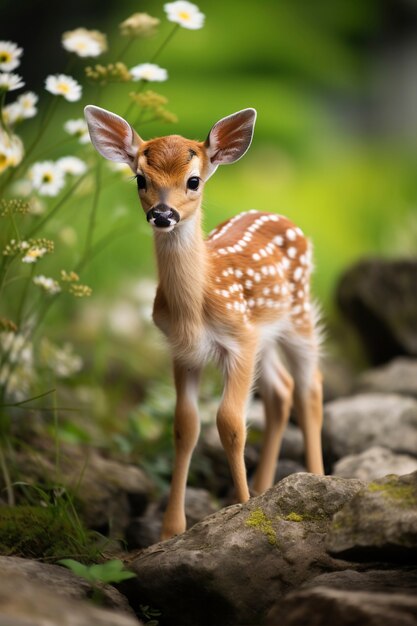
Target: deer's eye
(141,181)
(193,183)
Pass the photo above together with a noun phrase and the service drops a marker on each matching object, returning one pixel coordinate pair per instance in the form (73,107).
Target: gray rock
(146,530)
(106,490)
(354,424)
(402,580)
(398,376)
(374,463)
(286,467)
(230,568)
(62,580)
(27,602)
(322,606)
(380,522)
(379,297)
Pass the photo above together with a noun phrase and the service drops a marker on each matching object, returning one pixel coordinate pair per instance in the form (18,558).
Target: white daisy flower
(10,82)
(9,56)
(148,71)
(49,285)
(78,128)
(185,14)
(12,113)
(27,102)
(85,43)
(71,165)
(11,150)
(47,178)
(33,254)
(23,108)
(62,85)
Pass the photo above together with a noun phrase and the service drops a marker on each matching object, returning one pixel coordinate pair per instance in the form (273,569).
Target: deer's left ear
(230,138)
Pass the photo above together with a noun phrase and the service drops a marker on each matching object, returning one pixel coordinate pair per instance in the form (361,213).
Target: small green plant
(99,574)
(150,614)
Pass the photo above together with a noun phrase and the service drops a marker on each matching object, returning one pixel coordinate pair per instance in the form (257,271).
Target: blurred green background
(334,84)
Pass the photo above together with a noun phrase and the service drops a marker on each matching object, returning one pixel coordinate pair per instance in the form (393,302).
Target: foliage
(99,574)
(109,572)
(43,532)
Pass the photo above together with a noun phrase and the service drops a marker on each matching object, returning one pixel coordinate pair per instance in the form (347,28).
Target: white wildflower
(71,165)
(139,25)
(17,381)
(63,85)
(23,108)
(9,56)
(11,150)
(185,14)
(10,82)
(149,72)
(47,178)
(49,285)
(62,360)
(34,254)
(85,43)
(79,129)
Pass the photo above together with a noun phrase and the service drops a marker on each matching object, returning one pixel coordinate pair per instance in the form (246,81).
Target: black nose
(163,215)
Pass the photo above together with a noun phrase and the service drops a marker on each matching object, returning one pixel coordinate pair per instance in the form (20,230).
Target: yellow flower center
(81,45)
(46,178)
(184,15)
(63,87)
(5,57)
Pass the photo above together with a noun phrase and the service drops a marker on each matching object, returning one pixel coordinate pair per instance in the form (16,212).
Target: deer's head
(170,171)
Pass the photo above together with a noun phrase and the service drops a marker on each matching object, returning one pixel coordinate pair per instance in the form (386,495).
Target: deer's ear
(112,136)
(230,138)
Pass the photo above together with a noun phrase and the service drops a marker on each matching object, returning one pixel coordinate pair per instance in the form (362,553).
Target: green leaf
(77,568)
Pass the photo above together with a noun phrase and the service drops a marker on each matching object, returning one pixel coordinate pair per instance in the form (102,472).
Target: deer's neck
(182,268)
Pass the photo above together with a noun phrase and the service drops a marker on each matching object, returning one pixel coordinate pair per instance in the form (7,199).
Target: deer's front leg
(231,417)
(186,431)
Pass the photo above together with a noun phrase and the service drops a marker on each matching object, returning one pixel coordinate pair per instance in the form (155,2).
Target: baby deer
(233,297)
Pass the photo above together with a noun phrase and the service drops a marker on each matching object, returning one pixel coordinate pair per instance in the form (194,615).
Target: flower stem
(153,58)
(93,213)
(6,476)
(51,213)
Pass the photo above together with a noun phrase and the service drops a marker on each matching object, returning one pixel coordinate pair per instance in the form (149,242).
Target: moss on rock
(257,519)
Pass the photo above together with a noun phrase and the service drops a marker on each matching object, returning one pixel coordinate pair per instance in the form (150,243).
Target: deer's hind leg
(276,389)
(302,352)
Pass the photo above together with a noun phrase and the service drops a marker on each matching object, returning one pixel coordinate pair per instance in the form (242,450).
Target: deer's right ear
(112,136)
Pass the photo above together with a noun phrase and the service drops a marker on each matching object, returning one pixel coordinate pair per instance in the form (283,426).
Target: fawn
(233,298)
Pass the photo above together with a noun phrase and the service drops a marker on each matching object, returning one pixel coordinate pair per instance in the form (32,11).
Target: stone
(391,581)
(64,582)
(379,297)
(286,467)
(354,424)
(321,606)
(144,531)
(397,376)
(379,522)
(107,491)
(28,602)
(375,462)
(232,566)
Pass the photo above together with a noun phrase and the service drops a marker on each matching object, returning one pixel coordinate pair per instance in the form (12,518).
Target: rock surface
(322,606)
(379,522)
(402,581)
(379,297)
(146,530)
(354,424)
(374,463)
(107,491)
(62,580)
(231,567)
(398,376)
(27,602)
